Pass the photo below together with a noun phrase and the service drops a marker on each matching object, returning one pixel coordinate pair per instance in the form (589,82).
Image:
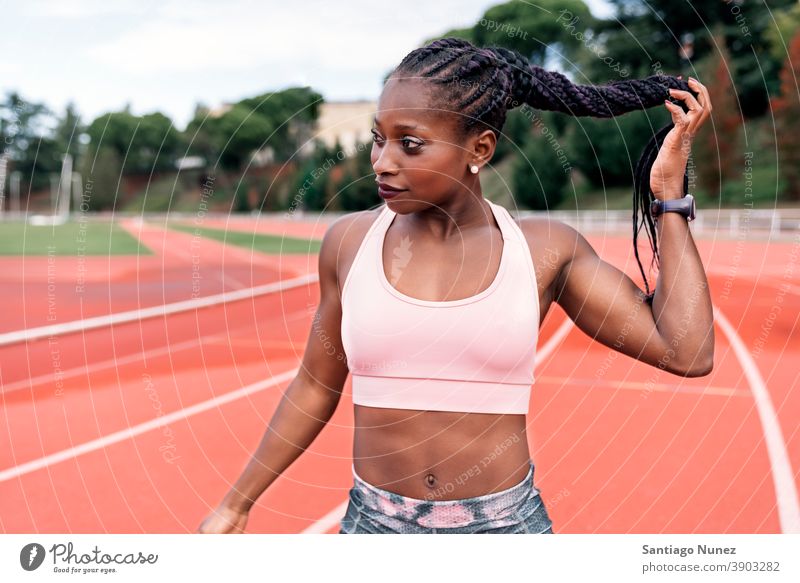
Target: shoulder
(341,241)
(346,229)
(534,226)
(542,232)
(346,226)
(554,246)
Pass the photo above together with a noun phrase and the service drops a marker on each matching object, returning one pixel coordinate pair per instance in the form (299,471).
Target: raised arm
(676,333)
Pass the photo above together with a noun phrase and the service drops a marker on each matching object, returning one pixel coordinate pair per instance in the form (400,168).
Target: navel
(430,480)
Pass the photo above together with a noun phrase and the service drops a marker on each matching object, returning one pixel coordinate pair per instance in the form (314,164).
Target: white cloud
(169,54)
(76,9)
(7,68)
(238,36)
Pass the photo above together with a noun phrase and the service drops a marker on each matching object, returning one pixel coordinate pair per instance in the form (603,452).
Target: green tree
(281,121)
(537,30)
(646,35)
(787,121)
(240,203)
(787,22)
(311,184)
(357,188)
(237,133)
(101,170)
(606,150)
(716,151)
(27,140)
(515,131)
(198,136)
(541,171)
(68,132)
(292,112)
(144,143)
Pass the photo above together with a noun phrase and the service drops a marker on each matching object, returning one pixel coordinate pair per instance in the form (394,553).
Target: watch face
(692,208)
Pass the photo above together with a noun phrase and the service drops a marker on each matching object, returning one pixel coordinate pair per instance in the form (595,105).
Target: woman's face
(416,148)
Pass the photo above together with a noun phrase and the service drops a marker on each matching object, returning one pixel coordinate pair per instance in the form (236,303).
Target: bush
(241,204)
(158,196)
(101,172)
(357,188)
(540,173)
(606,150)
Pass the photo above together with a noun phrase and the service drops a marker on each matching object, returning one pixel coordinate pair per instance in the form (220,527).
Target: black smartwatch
(684,206)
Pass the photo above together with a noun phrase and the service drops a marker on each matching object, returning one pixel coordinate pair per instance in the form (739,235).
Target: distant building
(189,162)
(220,109)
(348,121)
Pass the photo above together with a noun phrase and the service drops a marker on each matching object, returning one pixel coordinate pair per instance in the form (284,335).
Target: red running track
(142,427)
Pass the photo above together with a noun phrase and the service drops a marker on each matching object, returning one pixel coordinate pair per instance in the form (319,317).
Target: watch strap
(684,206)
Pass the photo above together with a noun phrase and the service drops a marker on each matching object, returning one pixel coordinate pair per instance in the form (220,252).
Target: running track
(141,426)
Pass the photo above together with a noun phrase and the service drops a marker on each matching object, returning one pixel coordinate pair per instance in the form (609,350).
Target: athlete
(432,301)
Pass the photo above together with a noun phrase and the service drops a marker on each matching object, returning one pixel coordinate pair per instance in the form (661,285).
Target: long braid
(482,84)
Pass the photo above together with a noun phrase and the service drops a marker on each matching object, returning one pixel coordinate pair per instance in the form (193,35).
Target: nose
(384,163)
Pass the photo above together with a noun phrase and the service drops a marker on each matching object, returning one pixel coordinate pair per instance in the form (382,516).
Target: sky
(168,55)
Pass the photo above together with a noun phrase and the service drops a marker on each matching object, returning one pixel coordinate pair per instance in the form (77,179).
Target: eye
(406,139)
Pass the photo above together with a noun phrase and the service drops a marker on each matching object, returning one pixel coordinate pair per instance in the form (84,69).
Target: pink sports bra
(472,355)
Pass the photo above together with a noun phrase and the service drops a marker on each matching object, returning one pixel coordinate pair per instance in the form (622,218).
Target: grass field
(256,242)
(74,238)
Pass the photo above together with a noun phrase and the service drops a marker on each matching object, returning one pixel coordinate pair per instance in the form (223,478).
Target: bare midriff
(439,455)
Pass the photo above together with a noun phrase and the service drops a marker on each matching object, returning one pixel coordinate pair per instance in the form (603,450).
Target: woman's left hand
(669,167)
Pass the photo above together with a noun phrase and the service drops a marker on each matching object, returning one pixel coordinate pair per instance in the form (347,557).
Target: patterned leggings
(516,510)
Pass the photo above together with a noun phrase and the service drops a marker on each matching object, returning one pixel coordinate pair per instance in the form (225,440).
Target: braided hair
(483,83)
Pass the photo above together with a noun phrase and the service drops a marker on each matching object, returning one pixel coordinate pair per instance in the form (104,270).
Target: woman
(433,300)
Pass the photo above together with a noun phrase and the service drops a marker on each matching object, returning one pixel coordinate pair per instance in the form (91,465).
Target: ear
(480,148)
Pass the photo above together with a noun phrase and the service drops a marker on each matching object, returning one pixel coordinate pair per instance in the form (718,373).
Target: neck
(450,219)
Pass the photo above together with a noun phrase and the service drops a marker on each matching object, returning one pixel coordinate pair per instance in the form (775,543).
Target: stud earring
(473,169)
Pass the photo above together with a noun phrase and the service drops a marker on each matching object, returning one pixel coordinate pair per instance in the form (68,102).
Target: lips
(386,191)
(388,186)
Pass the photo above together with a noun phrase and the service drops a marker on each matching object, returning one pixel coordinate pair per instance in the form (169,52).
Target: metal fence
(729,223)
(767,224)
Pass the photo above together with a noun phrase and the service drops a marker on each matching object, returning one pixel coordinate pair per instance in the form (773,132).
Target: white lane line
(782,475)
(155,311)
(135,228)
(136,357)
(552,342)
(328,521)
(575,382)
(101,442)
(325,523)
(94,367)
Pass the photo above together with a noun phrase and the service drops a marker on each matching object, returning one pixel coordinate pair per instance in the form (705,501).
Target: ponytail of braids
(483,83)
